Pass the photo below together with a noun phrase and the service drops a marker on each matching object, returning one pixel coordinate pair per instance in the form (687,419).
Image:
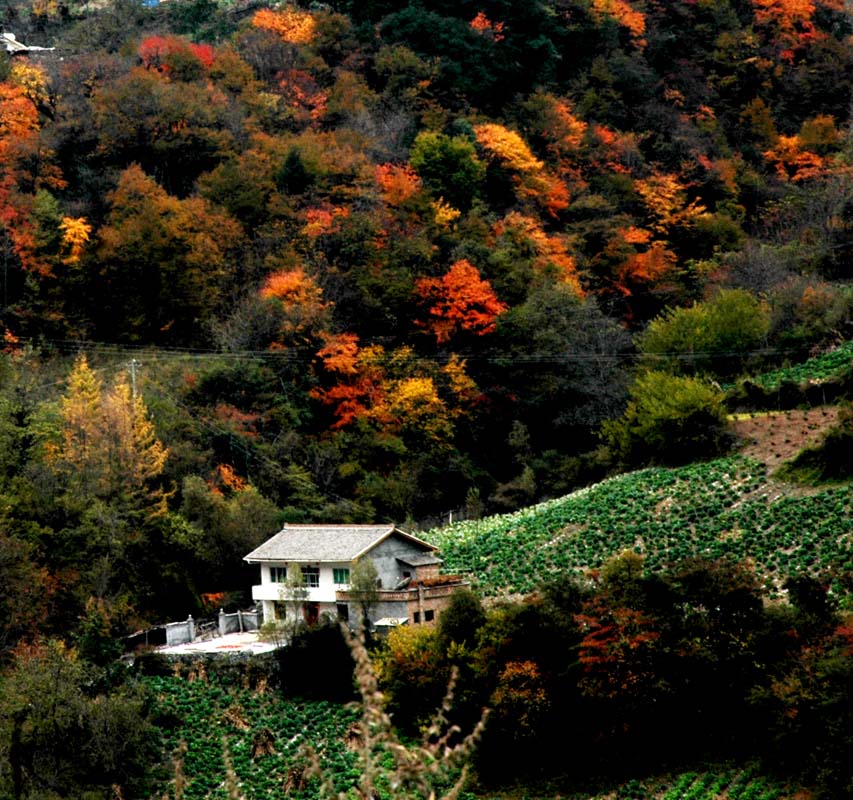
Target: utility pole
(133,365)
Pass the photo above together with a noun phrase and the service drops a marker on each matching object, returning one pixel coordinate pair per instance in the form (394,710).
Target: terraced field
(726,507)
(820,368)
(208,718)
(732,784)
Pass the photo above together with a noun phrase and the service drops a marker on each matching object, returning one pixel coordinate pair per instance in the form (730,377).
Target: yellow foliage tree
(414,402)
(107,446)
(75,235)
(444,213)
(507,147)
(32,80)
(666,200)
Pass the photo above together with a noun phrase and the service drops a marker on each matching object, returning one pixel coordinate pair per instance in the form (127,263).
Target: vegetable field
(726,507)
(208,717)
(820,368)
(732,784)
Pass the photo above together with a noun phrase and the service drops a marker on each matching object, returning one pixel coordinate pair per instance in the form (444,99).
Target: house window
(278,574)
(416,617)
(341,575)
(429,615)
(311,576)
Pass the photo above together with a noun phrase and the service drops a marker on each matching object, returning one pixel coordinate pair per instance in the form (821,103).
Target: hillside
(377,260)
(732,507)
(724,508)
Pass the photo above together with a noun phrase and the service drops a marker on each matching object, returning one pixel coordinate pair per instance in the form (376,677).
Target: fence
(180,632)
(445,518)
(238,622)
(190,630)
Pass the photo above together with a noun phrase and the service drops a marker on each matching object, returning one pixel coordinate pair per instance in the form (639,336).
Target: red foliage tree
(459,300)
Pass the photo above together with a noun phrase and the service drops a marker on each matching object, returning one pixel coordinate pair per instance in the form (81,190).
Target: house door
(312,613)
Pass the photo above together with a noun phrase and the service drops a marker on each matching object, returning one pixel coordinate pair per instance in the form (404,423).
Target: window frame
(340,572)
(278,574)
(310,576)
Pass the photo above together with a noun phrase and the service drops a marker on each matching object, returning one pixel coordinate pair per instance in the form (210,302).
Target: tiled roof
(327,542)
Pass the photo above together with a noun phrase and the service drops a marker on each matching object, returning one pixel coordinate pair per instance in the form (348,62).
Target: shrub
(715,336)
(669,420)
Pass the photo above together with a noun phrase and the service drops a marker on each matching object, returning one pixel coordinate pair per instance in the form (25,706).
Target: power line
(305,354)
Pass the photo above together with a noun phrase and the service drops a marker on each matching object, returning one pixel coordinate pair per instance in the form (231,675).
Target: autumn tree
(459,301)
(304,313)
(107,446)
(175,130)
(168,262)
(175,57)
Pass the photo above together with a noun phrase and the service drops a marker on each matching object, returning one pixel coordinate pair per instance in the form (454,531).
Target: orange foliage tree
(24,162)
(459,300)
(551,253)
(484,26)
(786,14)
(552,120)
(792,162)
(625,14)
(393,391)
(617,652)
(301,299)
(291,24)
(303,95)
(397,182)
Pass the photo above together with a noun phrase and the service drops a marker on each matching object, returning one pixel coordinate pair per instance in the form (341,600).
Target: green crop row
(209,718)
(723,508)
(727,784)
(820,368)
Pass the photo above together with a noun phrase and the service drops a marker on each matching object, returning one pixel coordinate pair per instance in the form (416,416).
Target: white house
(410,586)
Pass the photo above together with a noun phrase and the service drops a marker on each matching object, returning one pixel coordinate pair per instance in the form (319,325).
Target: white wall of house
(269,591)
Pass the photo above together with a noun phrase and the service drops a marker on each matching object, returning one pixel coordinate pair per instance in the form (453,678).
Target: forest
(391,260)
